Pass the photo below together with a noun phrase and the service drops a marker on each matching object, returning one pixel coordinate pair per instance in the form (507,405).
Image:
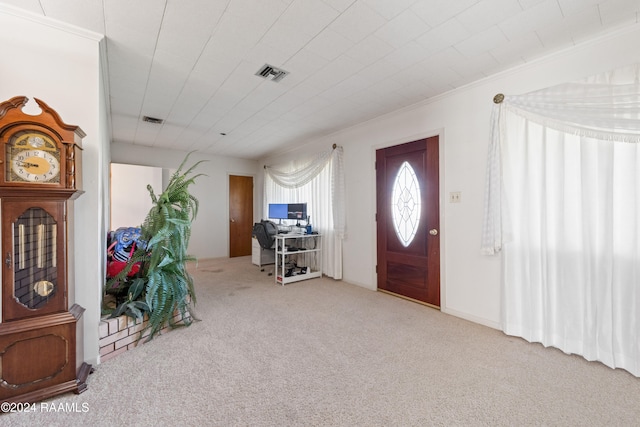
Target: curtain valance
(300,176)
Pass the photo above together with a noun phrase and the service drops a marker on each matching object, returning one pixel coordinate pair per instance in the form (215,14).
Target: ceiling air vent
(152,120)
(267,71)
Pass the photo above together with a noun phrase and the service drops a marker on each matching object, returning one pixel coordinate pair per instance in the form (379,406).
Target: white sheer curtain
(319,182)
(563,204)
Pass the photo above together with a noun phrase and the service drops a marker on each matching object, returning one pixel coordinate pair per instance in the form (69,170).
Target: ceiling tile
(358,22)
(336,71)
(487,13)
(571,7)
(126,103)
(329,45)
(147,133)
(387,86)
(171,135)
(243,79)
(270,9)
(440,76)
(347,87)
(444,35)
(304,64)
(232,120)
(191,100)
(444,58)
(407,55)
(527,21)
(286,38)
(369,50)
(554,36)
(436,12)
(216,62)
(389,9)
(307,16)
(481,42)
(241,33)
(124,127)
(618,11)
(526,4)
(195,139)
(136,24)
(416,91)
(583,23)
(265,53)
(298,95)
(416,72)
(476,65)
(32,6)
(507,52)
(187,26)
(340,5)
(307,108)
(402,29)
(264,94)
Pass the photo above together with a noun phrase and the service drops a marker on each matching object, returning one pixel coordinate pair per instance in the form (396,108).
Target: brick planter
(124,333)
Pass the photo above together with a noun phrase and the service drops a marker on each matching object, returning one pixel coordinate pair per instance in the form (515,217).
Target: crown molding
(50,22)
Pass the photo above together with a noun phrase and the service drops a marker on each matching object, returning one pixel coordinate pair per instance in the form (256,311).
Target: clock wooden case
(40,335)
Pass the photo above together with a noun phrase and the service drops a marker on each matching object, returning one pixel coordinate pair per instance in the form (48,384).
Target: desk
(261,256)
(298,257)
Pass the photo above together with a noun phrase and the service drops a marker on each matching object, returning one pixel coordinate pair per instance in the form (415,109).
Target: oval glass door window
(405,204)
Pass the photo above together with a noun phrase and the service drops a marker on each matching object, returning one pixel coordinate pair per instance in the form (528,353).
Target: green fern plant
(163,285)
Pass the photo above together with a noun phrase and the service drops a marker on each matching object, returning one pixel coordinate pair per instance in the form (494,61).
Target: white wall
(470,282)
(130,199)
(210,230)
(62,68)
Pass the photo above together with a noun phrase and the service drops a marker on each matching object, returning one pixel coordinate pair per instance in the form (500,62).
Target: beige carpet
(327,353)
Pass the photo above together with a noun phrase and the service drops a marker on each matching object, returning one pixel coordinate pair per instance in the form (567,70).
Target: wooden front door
(408,224)
(240,215)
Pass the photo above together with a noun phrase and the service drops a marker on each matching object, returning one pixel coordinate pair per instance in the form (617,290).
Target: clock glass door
(32,265)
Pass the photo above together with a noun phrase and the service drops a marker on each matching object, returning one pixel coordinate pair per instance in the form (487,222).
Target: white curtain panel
(563,205)
(319,182)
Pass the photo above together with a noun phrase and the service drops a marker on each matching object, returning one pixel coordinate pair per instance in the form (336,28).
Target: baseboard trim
(409,299)
(454,313)
(474,319)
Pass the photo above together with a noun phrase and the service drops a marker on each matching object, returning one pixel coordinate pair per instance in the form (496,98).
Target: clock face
(35,166)
(33,158)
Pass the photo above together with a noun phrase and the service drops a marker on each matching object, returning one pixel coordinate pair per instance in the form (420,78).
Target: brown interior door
(408,225)
(240,215)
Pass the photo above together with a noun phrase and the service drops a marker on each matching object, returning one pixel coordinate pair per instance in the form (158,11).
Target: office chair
(265,232)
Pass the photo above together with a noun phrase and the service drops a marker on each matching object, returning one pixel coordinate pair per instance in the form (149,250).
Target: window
(405,204)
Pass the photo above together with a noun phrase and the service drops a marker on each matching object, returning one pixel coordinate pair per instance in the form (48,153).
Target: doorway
(408,220)
(130,200)
(240,215)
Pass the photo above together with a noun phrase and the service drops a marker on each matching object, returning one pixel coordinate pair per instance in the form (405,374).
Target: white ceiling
(192,62)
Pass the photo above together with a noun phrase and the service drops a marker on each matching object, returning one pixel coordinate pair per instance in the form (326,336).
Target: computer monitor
(297,211)
(278,211)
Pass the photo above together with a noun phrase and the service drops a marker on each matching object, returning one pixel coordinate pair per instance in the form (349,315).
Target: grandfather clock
(40,158)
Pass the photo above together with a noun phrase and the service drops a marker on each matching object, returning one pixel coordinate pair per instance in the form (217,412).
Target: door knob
(433,232)
(233,220)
